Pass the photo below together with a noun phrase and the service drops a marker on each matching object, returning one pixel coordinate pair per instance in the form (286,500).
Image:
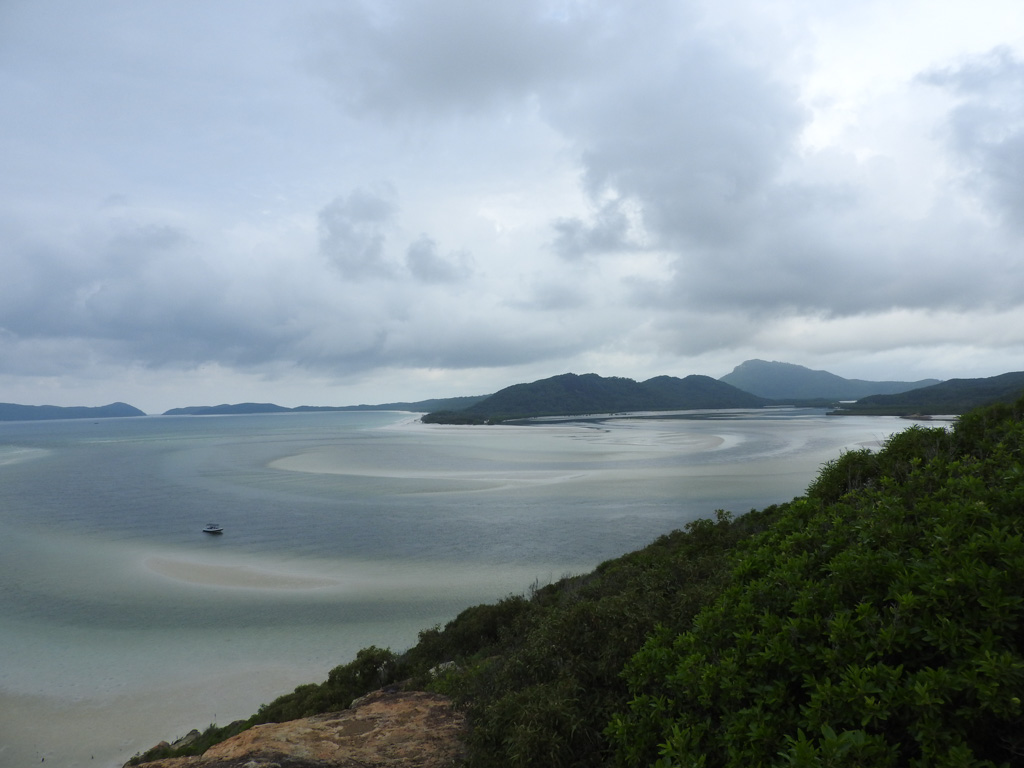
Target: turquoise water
(342,530)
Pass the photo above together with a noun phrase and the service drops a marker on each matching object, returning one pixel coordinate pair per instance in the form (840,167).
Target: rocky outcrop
(410,729)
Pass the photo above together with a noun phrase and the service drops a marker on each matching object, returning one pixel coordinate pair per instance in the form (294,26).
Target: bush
(371,669)
(545,693)
(879,626)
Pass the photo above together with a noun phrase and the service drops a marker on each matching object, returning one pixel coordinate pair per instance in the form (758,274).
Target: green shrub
(874,623)
(371,669)
(546,692)
(474,631)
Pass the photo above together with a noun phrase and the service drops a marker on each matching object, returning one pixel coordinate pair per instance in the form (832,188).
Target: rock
(411,729)
(185,740)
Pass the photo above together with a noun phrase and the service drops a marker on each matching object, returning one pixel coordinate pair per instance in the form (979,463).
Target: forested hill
(950,397)
(786,381)
(571,395)
(15,412)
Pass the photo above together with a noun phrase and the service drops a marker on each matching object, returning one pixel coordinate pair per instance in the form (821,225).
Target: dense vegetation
(573,395)
(953,396)
(876,621)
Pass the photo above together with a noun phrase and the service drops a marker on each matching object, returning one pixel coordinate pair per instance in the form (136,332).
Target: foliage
(476,631)
(371,669)
(545,693)
(452,417)
(877,621)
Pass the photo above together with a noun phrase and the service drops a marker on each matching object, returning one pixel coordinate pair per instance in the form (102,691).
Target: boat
(213,528)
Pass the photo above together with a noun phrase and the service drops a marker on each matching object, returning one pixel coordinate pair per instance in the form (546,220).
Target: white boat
(213,528)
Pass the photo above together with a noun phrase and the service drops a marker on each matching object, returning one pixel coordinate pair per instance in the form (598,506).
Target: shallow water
(121,623)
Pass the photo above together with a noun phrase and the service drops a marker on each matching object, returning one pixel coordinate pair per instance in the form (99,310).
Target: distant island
(14,412)
(421,406)
(573,395)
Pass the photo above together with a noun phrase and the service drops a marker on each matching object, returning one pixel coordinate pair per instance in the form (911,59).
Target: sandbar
(234,576)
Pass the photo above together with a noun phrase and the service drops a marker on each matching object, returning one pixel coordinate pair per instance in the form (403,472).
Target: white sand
(234,576)
(582,452)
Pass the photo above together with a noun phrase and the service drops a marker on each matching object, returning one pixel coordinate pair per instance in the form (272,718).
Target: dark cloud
(554,297)
(428,266)
(609,231)
(986,128)
(698,141)
(353,231)
(421,57)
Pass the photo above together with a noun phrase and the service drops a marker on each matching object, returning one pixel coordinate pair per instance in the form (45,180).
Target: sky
(333,203)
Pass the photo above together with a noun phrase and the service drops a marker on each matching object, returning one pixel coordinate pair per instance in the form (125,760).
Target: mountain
(786,381)
(949,397)
(14,412)
(422,406)
(692,392)
(225,409)
(571,395)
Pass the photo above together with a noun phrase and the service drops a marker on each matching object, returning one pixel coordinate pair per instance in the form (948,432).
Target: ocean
(122,623)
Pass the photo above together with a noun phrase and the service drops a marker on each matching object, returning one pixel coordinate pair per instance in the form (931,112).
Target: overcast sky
(329,203)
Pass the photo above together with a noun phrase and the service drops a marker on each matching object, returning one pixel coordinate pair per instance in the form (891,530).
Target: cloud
(345,192)
(428,266)
(610,230)
(986,128)
(696,142)
(453,56)
(708,150)
(353,231)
